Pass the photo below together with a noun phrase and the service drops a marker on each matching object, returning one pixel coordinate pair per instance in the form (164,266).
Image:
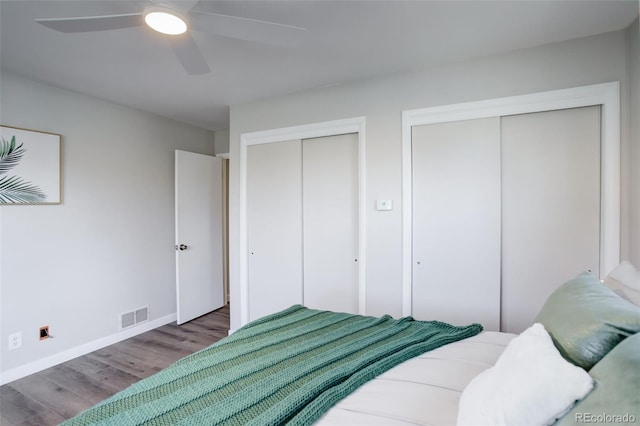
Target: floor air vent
(132,318)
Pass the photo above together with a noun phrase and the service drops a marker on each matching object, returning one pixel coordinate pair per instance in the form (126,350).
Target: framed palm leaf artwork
(29,166)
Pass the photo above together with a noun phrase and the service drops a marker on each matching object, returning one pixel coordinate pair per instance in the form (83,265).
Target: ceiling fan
(177,25)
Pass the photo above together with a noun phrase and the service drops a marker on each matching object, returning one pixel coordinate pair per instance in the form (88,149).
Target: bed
(578,363)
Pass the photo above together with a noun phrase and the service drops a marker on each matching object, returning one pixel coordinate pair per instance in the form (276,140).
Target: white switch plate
(384,205)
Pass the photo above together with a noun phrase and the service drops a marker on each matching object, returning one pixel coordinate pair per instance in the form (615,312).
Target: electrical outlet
(15,340)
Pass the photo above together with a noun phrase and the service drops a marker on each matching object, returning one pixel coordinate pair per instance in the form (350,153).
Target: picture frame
(30,167)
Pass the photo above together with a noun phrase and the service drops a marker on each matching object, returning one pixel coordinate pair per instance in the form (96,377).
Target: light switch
(384,205)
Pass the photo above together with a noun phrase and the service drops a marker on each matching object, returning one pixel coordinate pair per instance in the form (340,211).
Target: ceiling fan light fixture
(164,20)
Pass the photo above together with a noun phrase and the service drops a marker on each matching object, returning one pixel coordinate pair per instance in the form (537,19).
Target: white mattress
(421,391)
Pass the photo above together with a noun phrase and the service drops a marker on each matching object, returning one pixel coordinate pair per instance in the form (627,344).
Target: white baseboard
(50,361)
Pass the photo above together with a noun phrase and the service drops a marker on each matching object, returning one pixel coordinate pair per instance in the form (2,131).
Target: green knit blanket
(286,368)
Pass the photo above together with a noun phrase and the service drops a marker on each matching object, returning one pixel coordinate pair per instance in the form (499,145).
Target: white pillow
(530,384)
(624,280)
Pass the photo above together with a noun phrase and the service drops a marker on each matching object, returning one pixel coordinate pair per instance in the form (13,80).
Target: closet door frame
(305,131)
(607,95)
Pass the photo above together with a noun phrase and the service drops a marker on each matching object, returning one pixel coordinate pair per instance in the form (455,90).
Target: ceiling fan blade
(247,29)
(189,55)
(92,23)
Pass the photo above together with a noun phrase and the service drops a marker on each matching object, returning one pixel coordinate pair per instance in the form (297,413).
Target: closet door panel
(456,222)
(274,226)
(551,206)
(330,217)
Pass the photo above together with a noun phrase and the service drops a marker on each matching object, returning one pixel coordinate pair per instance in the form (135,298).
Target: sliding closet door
(274,226)
(456,222)
(550,207)
(330,217)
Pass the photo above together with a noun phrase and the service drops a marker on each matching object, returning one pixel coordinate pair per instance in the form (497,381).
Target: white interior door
(199,230)
(274,226)
(330,222)
(456,222)
(550,206)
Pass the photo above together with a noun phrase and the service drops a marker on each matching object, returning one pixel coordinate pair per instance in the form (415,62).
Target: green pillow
(586,319)
(615,398)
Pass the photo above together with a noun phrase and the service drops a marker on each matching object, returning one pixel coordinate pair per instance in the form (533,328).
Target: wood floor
(58,393)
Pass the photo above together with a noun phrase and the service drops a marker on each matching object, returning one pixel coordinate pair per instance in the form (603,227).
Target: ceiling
(344,41)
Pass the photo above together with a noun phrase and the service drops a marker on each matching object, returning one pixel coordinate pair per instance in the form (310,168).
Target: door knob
(182,247)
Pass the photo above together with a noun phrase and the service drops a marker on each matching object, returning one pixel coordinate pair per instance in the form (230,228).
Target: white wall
(562,65)
(108,248)
(633,50)
(222,141)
